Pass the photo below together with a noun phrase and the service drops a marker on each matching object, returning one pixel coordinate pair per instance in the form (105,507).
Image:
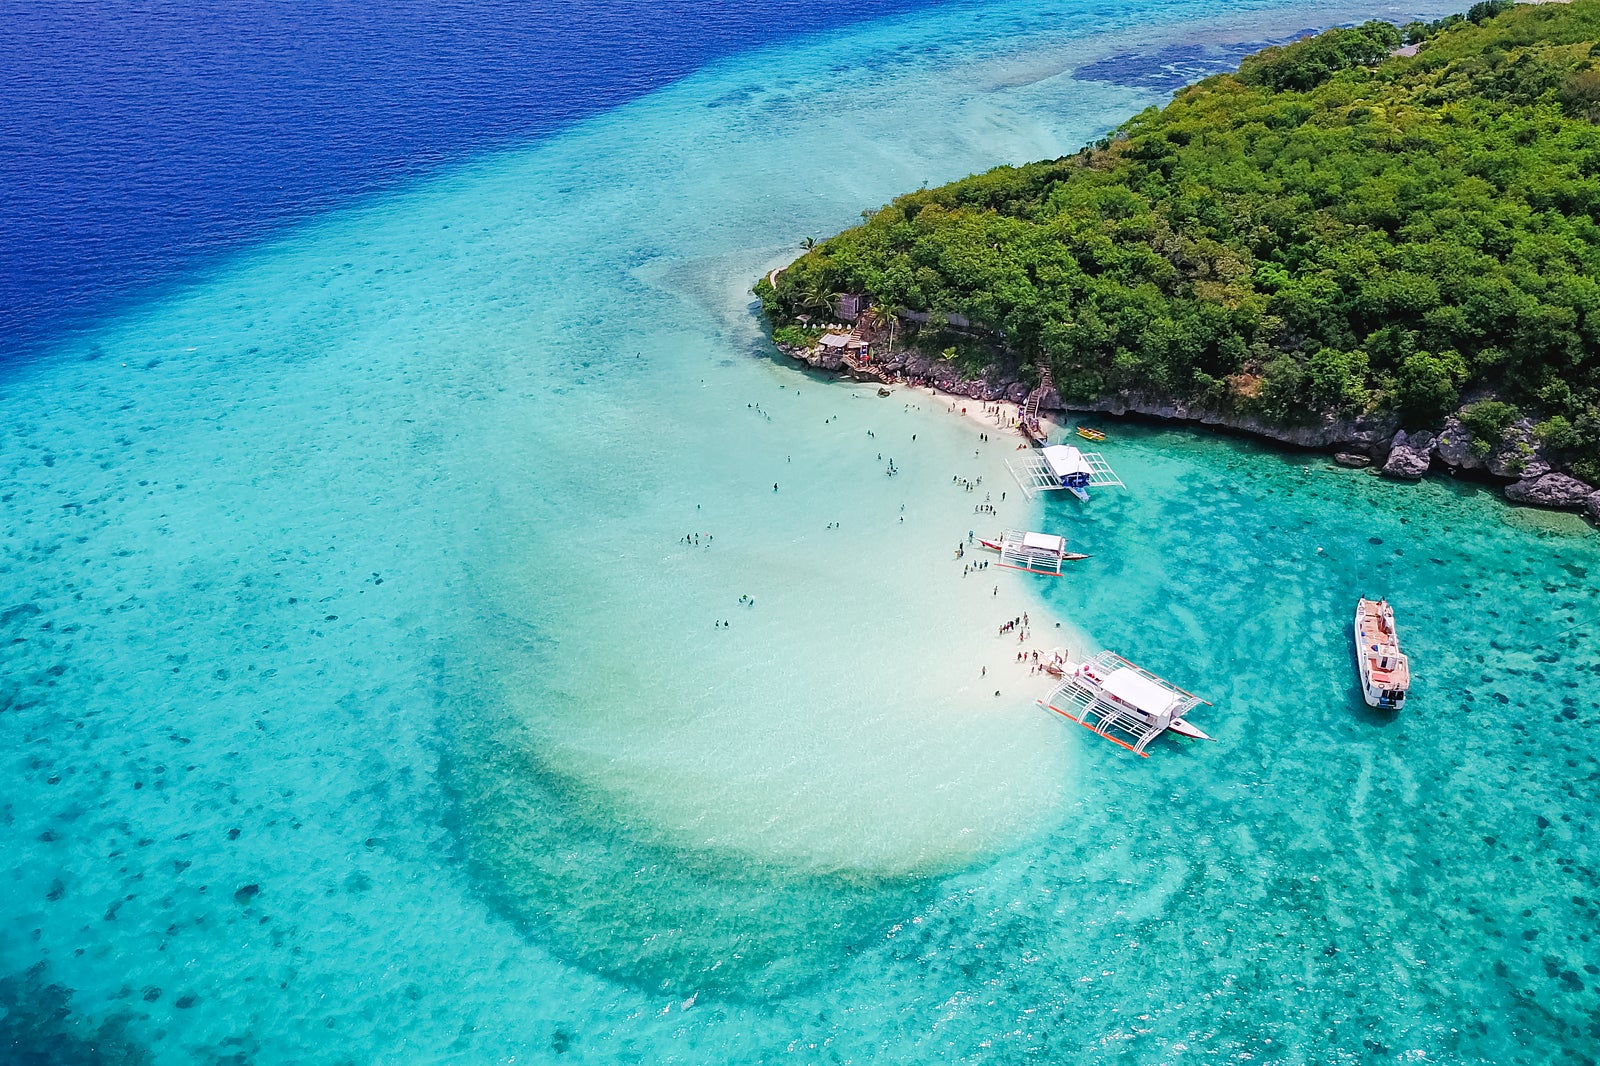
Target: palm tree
(808,243)
(880,315)
(817,297)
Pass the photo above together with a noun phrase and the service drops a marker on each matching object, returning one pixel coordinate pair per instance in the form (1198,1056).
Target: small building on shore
(845,344)
(851,304)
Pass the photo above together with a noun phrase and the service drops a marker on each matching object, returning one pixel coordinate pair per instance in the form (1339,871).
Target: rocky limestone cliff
(1409,456)
(1368,434)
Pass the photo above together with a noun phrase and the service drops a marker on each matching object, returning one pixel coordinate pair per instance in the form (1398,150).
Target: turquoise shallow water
(362,701)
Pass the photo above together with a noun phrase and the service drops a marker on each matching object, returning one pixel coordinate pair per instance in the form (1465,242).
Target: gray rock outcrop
(1550,490)
(1454,446)
(1410,455)
(1355,460)
(1591,505)
(1517,456)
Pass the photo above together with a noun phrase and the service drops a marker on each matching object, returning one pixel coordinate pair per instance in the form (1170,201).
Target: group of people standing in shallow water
(747,601)
(1037,665)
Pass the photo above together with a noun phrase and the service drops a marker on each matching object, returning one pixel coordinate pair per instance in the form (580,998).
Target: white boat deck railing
(1101,476)
(1033,474)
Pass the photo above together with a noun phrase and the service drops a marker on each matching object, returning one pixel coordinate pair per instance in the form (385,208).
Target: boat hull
(1184,729)
(1384,671)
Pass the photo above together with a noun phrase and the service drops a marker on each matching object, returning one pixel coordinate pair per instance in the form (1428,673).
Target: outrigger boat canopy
(1045,542)
(1066,461)
(1140,691)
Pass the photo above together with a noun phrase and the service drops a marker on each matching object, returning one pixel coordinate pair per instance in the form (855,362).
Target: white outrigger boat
(1061,466)
(1109,695)
(1037,553)
(1385,671)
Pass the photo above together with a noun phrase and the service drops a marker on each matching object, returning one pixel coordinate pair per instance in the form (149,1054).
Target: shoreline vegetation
(1379,241)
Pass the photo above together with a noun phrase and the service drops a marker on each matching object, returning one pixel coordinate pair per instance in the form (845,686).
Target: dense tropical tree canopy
(1331,229)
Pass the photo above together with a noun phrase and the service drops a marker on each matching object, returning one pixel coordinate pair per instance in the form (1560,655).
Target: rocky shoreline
(1525,472)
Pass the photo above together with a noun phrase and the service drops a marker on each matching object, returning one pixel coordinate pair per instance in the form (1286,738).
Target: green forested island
(1377,220)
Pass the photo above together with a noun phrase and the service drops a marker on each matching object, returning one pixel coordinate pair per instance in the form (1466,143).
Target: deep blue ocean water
(141,140)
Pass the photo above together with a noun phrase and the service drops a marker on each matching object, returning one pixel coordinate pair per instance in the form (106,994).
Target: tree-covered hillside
(1331,229)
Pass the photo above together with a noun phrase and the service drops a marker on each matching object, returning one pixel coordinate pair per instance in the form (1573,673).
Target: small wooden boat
(1385,671)
(1090,433)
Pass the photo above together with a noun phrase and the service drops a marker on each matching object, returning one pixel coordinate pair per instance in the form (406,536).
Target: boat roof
(1044,542)
(1065,459)
(1132,687)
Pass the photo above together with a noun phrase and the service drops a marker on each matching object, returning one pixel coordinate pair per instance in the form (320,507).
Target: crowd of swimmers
(890,470)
